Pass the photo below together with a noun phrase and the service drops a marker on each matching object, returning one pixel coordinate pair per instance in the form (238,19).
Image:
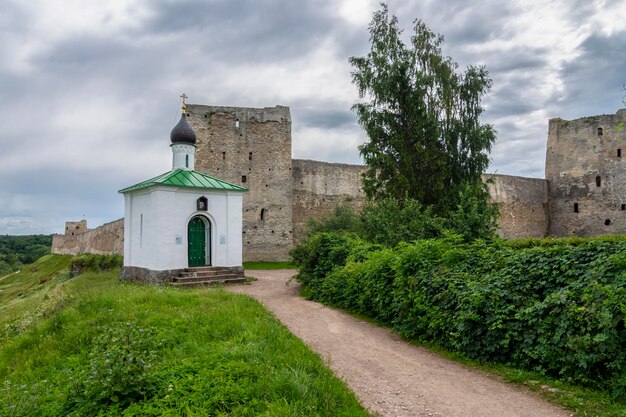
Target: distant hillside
(17,251)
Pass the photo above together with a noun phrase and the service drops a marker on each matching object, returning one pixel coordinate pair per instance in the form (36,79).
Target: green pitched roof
(189,179)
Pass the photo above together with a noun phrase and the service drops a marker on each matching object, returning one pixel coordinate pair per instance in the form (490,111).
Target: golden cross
(184,96)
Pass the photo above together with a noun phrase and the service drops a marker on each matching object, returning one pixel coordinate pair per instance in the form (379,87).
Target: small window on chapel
(598,181)
(623,207)
(575,207)
(619,153)
(249,156)
(244,178)
(186,161)
(262,214)
(599,131)
(223,155)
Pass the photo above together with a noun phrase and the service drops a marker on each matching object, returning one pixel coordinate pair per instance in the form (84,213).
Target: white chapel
(182,224)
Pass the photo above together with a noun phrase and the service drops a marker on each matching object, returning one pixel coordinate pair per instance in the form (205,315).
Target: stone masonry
(586,172)
(584,192)
(252,148)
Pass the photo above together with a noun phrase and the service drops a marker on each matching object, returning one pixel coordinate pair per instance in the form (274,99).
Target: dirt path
(388,375)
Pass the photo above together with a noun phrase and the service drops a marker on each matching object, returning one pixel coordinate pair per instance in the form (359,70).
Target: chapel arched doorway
(199,242)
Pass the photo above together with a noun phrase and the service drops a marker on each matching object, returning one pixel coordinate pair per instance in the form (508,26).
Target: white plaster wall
(179,151)
(166,214)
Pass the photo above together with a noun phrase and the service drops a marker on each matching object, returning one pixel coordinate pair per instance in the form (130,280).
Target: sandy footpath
(389,376)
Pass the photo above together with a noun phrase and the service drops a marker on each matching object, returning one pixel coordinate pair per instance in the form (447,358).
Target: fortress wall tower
(319,187)
(251,147)
(586,172)
(75,228)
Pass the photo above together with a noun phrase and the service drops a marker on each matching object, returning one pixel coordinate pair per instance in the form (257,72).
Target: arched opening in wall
(623,207)
(598,181)
(262,214)
(599,131)
(607,222)
(223,155)
(619,153)
(575,207)
(186,161)
(244,179)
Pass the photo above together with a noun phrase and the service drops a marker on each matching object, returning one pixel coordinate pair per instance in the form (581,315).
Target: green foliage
(389,222)
(85,262)
(268,265)
(475,217)
(421,117)
(321,254)
(120,368)
(16,251)
(342,218)
(555,307)
(119,349)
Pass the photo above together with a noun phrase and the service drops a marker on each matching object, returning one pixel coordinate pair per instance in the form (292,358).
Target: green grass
(108,348)
(268,265)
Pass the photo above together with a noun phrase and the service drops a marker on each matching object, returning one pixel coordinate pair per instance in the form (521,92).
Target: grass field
(91,345)
(268,265)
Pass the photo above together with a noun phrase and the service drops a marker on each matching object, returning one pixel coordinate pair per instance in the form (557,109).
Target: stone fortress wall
(318,187)
(251,147)
(103,240)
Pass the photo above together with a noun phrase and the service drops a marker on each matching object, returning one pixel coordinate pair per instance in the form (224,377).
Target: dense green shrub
(390,222)
(342,218)
(85,262)
(553,306)
(120,369)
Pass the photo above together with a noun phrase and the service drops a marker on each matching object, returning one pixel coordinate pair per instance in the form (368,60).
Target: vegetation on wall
(16,251)
(552,306)
(426,141)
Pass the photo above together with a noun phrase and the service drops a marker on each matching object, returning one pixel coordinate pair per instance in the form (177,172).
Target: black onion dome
(183,132)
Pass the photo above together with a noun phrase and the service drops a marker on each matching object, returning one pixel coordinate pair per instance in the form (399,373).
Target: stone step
(196,284)
(209,268)
(206,273)
(219,277)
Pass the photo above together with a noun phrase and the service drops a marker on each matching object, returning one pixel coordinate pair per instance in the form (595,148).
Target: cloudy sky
(90,90)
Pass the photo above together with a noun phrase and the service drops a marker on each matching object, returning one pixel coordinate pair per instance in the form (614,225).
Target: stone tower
(586,173)
(251,147)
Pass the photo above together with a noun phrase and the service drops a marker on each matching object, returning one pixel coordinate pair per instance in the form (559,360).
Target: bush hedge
(555,306)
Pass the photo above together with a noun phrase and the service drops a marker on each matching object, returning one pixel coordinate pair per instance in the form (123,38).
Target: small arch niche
(607,222)
(619,153)
(575,207)
(598,181)
(600,133)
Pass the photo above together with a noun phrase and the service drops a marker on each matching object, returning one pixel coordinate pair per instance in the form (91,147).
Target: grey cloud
(595,79)
(323,115)
(245,30)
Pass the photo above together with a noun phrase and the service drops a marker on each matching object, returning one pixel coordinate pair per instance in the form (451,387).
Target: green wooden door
(196,241)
